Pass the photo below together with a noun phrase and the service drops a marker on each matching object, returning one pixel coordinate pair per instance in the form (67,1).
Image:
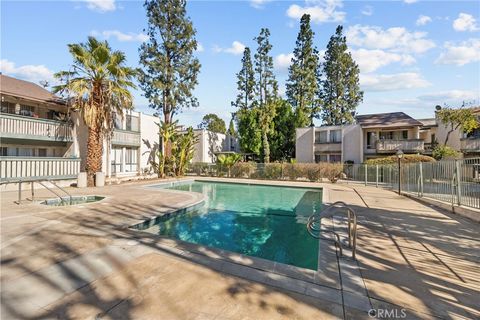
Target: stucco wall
(149,141)
(352,144)
(304,145)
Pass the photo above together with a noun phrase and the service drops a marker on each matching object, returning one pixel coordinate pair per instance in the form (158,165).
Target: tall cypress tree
(267,89)
(303,76)
(170,69)
(246,114)
(341,92)
(245,83)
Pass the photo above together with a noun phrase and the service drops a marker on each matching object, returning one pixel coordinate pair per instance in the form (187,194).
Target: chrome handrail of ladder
(352,224)
(51,190)
(63,190)
(311,230)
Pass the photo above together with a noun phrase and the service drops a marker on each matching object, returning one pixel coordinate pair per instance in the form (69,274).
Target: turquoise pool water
(261,221)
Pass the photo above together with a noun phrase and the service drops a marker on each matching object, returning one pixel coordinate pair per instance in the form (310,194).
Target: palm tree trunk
(94,154)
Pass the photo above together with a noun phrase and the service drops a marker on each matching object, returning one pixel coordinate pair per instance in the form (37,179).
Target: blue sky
(412,54)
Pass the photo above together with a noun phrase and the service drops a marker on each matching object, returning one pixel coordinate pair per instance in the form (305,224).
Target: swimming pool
(255,220)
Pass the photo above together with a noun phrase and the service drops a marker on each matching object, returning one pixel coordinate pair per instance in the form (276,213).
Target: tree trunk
(94,154)
(266,148)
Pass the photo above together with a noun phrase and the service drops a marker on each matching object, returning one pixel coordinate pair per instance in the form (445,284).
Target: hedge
(407,158)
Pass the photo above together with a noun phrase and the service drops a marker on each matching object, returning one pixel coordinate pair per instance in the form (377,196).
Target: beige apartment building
(41,138)
(379,135)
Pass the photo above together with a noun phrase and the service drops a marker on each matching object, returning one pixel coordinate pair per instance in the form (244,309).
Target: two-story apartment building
(371,136)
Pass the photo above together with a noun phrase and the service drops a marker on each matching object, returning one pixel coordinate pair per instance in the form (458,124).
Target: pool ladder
(314,224)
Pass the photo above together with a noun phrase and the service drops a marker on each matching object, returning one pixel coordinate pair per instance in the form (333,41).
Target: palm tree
(97,85)
(167,133)
(228,160)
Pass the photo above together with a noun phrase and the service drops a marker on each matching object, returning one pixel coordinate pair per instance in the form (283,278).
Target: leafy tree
(267,89)
(231,129)
(444,152)
(303,84)
(245,83)
(248,130)
(341,92)
(266,84)
(454,119)
(282,138)
(170,69)
(98,86)
(213,123)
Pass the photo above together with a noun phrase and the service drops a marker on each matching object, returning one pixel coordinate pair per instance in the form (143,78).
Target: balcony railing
(126,138)
(21,127)
(22,168)
(470,144)
(387,146)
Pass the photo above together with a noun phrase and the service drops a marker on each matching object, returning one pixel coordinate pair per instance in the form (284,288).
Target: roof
(27,90)
(430,122)
(382,120)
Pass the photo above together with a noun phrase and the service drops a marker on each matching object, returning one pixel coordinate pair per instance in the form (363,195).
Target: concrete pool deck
(83,262)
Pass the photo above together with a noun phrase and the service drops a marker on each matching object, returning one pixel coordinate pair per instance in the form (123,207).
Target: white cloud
(397,39)
(236,48)
(391,82)
(120,36)
(423,20)
(319,11)
(450,96)
(101,5)
(367,11)
(371,60)
(259,4)
(33,73)
(460,54)
(283,61)
(410,1)
(465,22)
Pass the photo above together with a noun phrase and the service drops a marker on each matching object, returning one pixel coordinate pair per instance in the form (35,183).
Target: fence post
(421,180)
(366,174)
(459,181)
(376,175)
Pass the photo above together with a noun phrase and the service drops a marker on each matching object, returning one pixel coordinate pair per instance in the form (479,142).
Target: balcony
(470,145)
(328,146)
(33,168)
(408,146)
(29,128)
(126,138)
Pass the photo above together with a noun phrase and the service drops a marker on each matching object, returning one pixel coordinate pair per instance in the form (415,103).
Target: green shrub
(273,171)
(407,158)
(243,169)
(444,152)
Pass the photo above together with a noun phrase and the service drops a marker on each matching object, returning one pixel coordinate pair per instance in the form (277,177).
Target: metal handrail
(62,189)
(49,189)
(310,230)
(352,224)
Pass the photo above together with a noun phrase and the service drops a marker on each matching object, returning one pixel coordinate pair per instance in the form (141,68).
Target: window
(131,159)
(27,111)
(42,152)
(116,155)
(405,134)
(371,140)
(321,136)
(8,107)
(320,158)
(334,158)
(131,123)
(117,122)
(386,135)
(336,136)
(25,152)
(3,151)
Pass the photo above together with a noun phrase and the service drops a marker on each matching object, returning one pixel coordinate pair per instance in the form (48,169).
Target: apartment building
(379,135)
(41,137)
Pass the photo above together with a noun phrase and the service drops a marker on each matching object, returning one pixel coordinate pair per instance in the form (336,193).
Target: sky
(412,54)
